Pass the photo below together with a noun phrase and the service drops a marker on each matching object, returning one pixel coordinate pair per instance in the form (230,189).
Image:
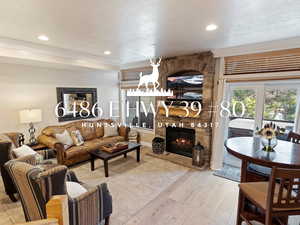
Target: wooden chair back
(294,137)
(288,195)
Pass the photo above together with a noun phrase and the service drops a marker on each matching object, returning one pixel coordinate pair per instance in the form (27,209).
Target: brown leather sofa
(93,139)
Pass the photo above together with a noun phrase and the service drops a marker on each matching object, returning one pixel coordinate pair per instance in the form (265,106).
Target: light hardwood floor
(154,192)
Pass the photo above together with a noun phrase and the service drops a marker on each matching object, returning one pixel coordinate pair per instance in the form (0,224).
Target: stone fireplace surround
(204,63)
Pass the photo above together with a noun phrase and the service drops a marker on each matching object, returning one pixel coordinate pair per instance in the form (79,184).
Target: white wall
(23,87)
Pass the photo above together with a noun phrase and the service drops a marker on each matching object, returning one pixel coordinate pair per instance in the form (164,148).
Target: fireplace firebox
(180,140)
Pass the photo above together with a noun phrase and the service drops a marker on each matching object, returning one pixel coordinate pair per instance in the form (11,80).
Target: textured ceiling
(137,29)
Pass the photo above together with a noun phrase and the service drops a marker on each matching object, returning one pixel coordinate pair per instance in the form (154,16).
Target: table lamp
(31,116)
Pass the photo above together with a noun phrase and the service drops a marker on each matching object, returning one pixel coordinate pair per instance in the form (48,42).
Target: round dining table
(249,150)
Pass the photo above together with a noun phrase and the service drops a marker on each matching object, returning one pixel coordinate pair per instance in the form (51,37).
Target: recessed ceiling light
(107,52)
(43,38)
(211,27)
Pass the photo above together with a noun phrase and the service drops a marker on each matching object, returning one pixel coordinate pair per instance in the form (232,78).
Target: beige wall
(34,87)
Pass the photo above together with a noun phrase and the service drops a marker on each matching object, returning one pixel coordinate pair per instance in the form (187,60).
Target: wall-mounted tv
(187,87)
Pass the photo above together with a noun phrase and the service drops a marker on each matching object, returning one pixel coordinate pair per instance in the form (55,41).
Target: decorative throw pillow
(110,131)
(65,139)
(24,150)
(77,137)
(75,189)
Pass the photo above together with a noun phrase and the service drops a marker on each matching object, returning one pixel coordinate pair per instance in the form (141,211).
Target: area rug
(229,172)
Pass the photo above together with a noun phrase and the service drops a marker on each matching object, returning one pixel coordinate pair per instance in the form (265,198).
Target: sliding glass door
(241,122)
(255,104)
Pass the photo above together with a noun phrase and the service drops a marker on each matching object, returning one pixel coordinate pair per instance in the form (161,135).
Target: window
(265,102)
(280,107)
(138,111)
(243,123)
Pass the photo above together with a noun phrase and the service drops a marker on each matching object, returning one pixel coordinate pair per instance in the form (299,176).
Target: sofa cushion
(110,131)
(52,130)
(92,144)
(88,133)
(99,126)
(76,151)
(99,130)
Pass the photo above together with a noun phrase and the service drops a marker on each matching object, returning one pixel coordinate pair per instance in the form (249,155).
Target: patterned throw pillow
(25,150)
(77,137)
(110,131)
(65,139)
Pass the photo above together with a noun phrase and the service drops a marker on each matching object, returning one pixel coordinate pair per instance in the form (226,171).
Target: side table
(38,147)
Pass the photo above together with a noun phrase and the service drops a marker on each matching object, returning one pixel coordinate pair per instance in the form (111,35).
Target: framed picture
(76,103)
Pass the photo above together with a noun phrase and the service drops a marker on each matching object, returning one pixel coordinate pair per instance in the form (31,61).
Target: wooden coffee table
(105,156)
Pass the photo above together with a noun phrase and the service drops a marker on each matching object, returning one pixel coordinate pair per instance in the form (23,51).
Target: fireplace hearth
(180,140)
(203,64)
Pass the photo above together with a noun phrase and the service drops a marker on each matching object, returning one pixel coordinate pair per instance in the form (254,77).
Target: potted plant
(269,134)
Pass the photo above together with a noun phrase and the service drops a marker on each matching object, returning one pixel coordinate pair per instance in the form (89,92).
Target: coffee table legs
(138,154)
(105,161)
(106,168)
(92,163)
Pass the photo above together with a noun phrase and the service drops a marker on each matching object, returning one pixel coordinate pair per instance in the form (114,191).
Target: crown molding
(28,53)
(258,47)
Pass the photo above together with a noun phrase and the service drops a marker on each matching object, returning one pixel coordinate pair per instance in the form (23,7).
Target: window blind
(276,61)
(133,74)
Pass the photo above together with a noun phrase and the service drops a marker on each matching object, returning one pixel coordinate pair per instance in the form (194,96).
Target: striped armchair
(8,141)
(36,187)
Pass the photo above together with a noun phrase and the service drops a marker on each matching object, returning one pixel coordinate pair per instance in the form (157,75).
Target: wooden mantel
(178,111)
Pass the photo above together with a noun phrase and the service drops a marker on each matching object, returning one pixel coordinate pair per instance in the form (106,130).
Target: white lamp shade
(30,115)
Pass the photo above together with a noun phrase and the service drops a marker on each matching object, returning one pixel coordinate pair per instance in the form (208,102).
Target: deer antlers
(155,63)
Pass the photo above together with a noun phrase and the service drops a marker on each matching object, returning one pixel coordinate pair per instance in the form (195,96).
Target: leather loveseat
(93,138)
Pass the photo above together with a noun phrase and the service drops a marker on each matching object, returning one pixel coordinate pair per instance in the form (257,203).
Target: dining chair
(294,137)
(275,200)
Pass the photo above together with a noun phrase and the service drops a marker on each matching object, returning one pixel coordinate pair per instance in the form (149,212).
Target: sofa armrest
(87,206)
(123,131)
(53,143)
(47,140)
(60,153)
